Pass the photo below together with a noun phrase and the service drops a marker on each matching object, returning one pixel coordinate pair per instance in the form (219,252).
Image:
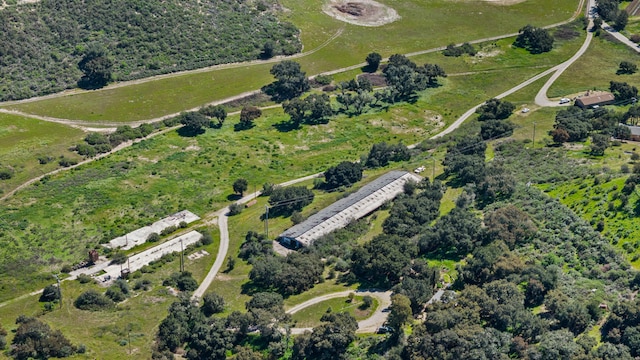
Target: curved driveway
(368,325)
(558,69)
(541,97)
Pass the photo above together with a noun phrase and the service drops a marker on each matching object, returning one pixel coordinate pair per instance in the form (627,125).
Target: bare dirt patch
(360,12)
(376,80)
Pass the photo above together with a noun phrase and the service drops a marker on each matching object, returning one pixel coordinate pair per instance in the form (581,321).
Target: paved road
(222,255)
(369,325)
(224,235)
(541,97)
(456,124)
(623,39)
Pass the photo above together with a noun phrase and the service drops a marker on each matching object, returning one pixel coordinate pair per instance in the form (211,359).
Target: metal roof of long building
(353,207)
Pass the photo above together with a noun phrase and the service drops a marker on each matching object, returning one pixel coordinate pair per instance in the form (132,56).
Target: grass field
(418,30)
(23,140)
(482,78)
(595,69)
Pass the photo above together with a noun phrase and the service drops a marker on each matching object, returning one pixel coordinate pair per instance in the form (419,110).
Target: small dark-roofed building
(595,98)
(342,212)
(635,132)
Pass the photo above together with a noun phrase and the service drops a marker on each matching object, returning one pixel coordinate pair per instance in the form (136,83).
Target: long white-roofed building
(339,214)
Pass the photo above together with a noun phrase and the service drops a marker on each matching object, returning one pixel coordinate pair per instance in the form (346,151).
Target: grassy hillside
(42,43)
(424,25)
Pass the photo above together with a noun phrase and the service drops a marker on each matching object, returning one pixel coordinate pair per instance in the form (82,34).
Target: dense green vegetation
(171,95)
(528,277)
(44,44)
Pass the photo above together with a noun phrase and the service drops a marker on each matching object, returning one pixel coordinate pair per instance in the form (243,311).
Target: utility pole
(534,134)
(181,256)
(59,290)
(433,176)
(266,220)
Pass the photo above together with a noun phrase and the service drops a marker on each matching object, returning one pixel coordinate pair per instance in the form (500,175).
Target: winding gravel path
(541,98)
(368,325)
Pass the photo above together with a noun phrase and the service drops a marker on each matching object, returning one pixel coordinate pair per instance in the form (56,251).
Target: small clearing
(361,12)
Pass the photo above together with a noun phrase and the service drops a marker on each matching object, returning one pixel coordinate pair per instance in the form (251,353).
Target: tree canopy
(405,78)
(286,200)
(36,340)
(290,82)
(536,40)
(495,109)
(373,61)
(344,174)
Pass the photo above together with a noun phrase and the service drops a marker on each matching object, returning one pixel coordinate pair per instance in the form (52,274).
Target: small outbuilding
(635,132)
(594,99)
(342,212)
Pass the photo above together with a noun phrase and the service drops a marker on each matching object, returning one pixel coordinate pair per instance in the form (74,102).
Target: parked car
(564,100)
(384,330)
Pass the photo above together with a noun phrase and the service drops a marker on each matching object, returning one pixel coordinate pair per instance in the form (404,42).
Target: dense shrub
(118,291)
(235,209)
(183,281)
(6,174)
(93,301)
(212,304)
(344,174)
(44,43)
(206,238)
(35,340)
(50,293)
(153,237)
(66,162)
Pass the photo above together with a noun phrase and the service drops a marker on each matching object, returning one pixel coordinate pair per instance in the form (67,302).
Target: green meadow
(23,140)
(595,69)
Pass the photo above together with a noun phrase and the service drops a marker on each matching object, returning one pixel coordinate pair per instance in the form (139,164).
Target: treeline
(610,11)
(203,336)
(44,43)
(574,124)
(403,77)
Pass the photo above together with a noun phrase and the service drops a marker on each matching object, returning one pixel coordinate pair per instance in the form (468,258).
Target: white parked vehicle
(564,100)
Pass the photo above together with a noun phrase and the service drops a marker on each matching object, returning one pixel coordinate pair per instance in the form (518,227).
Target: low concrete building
(342,212)
(594,98)
(139,236)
